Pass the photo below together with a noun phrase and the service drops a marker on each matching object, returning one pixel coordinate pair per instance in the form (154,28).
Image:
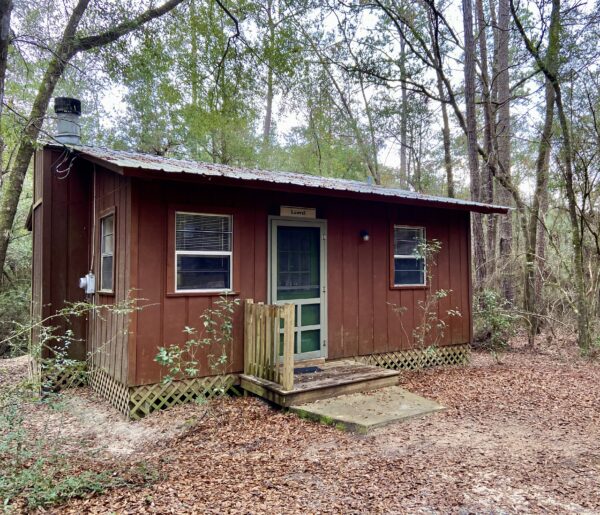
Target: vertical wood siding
(108,342)
(60,243)
(363,313)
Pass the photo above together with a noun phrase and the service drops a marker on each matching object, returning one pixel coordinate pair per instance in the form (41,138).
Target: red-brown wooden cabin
(180,234)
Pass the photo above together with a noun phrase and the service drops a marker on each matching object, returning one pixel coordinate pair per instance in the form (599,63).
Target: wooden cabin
(181,234)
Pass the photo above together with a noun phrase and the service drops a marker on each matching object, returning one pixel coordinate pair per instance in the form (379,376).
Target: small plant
(15,302)
(431,329)
(42,484)
(215,337)
(33,470)
(494,320)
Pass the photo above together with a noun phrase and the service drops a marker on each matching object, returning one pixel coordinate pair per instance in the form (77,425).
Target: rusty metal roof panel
(134,160)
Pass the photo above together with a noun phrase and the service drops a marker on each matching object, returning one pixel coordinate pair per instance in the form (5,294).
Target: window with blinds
(107,241)
(409,264)
(203,252)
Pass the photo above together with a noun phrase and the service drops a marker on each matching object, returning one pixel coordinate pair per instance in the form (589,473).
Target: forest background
(493,100)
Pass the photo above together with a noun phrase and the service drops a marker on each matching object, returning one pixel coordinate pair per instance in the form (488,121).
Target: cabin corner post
(133,273)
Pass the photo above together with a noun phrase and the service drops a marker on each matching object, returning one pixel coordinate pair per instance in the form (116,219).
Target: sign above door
(298,212)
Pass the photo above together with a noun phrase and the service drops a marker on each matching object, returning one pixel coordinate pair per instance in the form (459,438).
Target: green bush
(494,319)
(15,304)
(41,484)
(216,337)
(33,470)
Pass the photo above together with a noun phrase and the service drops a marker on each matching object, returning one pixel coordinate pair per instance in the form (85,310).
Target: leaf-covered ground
(521,436)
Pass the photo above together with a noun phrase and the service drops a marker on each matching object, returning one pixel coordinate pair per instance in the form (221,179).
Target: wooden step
(338,379)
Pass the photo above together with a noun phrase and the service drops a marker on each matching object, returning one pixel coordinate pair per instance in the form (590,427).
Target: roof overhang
(156,167)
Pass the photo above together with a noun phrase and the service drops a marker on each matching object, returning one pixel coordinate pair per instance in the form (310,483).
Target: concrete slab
(361,412)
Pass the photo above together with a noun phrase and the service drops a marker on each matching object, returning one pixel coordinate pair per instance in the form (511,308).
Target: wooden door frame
(274,221)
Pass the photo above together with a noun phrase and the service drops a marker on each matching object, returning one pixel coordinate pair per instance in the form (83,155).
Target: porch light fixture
(364,235)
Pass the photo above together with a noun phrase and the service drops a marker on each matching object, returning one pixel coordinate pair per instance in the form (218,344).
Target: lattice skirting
(145,399)
(416,359)
(112,390)
(137,401)
(56,377)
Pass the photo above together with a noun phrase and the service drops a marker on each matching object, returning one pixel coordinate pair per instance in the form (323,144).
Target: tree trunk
(404,180)
(503,134)
(583,322)
(472,152)
(531,293)
(194,52)
(581,303)
(268,110)
(70,44)
(541,270)
(489,137)
(269,100)
(6,7)
(446,139)
(12,187)
(436,54)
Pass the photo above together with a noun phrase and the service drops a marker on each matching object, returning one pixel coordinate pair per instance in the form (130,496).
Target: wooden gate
(269,342)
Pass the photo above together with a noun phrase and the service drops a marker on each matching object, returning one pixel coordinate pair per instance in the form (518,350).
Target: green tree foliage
(359,90)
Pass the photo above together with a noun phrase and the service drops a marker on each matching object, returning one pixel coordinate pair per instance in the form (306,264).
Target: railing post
(287,381)
(249,336)
(278,315)
(260,340)
(268,341)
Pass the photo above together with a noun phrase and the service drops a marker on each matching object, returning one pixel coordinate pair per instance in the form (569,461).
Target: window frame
(211,291)
(393,256)
(101,255)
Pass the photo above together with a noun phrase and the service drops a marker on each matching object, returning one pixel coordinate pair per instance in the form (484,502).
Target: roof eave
(105,163)
(142,172)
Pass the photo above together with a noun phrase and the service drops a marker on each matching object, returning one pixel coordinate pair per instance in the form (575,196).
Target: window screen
(409,264)
(107,239)
(203,256)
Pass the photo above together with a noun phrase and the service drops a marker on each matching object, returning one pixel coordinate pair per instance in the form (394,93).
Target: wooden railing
(262,330)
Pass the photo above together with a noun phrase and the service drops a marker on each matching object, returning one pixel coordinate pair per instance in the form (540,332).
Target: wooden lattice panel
(109,388)
(148,398)
(416,359)
(59,378)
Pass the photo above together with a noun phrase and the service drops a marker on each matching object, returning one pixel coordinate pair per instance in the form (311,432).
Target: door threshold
(309,362)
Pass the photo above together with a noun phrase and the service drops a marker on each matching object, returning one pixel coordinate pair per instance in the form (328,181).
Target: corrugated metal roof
(134,160)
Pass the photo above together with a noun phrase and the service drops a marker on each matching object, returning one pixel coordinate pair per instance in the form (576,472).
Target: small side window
(107,239)
(409,264)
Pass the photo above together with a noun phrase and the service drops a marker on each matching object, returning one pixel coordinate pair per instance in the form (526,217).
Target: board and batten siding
(60,223)
(109,339)
(63,224)
(362,304)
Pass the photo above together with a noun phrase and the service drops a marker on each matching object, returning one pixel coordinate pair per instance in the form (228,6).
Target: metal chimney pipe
(68,126)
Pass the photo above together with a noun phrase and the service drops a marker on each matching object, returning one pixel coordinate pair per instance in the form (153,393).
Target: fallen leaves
(517,437)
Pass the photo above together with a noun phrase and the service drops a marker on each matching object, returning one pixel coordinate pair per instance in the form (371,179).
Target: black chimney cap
(67,105)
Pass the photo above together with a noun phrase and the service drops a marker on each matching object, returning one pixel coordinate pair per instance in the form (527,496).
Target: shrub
(215,337)
(14,314)
(494,320)
(34,472)
(430,328)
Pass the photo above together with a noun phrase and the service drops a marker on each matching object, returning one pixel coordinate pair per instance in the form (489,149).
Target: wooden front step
(334,379)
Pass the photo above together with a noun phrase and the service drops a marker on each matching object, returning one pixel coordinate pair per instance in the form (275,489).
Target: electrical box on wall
(88,283)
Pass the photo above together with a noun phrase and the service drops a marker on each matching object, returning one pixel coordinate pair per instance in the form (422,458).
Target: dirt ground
(520,436)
